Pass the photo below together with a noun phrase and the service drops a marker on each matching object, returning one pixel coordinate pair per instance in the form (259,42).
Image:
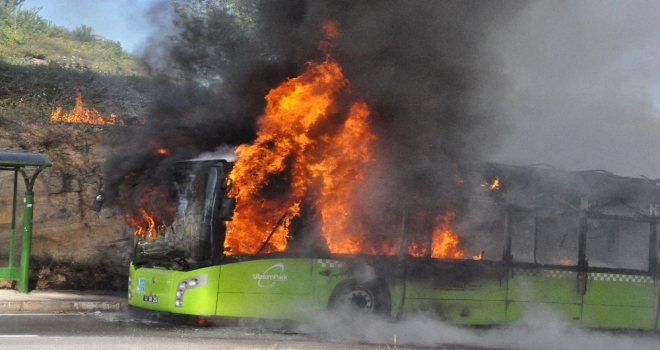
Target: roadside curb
(61,301)
(61,306)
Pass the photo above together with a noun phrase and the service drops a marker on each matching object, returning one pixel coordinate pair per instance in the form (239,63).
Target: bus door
(544,274)
(277,288)
(621,291)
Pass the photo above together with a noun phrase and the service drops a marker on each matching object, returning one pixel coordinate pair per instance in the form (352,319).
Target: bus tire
(371,298)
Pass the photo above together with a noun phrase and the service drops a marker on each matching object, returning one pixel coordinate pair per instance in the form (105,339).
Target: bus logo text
(272,275)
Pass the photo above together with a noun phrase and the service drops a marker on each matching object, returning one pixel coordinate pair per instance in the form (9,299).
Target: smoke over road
(540,329)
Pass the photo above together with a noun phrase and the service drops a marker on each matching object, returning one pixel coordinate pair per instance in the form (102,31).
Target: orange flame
(80,114)
(331,33)
(416,249)
(146,225)
(495,185)
(330,29)
(445,241)
(146,222)
(305,152)
(566,261)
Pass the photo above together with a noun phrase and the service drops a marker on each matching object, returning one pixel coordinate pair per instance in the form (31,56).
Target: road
(143,330)
(139,330)
(120,331)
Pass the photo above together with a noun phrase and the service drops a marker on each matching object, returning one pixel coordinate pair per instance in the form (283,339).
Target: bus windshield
(195,237)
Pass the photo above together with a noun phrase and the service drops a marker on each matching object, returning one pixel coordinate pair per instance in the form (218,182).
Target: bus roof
(530,186)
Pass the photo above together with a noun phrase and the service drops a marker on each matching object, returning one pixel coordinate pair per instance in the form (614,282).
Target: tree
(17,24)
(7,8)
(30,21)
(84,34)
(213,35)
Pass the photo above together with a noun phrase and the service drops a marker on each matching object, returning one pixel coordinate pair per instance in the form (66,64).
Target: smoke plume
(584,81)
(422,67)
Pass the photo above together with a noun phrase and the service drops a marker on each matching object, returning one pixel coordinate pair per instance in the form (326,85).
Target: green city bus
(583,244)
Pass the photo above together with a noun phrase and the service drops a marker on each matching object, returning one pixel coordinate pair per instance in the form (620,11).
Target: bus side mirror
(98,202)
(227,206)
(99,198)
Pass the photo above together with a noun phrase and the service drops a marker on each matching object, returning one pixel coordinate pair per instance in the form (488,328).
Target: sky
(583,77)
(126,21)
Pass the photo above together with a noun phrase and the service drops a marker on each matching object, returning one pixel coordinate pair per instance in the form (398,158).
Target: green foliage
(35,91)
(25,35)
(19,25)
(42,66)
(30,22)
(7,7)
(84,34)
(223,27)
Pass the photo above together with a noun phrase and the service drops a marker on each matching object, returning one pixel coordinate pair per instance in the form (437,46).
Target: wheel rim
(360,299)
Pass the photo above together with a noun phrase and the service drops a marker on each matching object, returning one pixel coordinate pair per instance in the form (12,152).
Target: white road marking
(17,335)
(35,314)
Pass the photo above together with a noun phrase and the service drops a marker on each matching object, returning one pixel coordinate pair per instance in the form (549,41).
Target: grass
(42,66)
(35,91)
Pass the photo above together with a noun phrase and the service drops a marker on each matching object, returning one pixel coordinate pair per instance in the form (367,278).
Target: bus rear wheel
(371,298)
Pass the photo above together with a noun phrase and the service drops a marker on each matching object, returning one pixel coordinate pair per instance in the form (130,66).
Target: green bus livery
(583,244)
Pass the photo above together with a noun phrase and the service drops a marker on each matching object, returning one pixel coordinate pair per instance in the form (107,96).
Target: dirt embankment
(73,247)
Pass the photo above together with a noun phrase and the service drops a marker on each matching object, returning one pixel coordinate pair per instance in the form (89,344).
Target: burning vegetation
(82,114)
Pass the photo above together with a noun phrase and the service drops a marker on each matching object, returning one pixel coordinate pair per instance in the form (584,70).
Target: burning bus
(302,222)
(581,243)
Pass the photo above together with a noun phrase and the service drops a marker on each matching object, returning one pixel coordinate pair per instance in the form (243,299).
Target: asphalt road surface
(138,330)
(119,331)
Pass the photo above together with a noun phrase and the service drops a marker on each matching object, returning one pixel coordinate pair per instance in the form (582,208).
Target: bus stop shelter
(28,166)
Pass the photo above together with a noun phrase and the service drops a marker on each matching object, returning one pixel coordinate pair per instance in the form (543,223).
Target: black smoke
(421,66)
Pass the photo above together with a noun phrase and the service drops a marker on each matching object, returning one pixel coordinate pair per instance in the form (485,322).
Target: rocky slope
(73,247)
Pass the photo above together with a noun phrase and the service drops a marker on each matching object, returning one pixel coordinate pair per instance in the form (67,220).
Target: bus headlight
(188,283)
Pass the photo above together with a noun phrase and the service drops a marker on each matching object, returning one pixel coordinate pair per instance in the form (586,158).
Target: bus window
(618,244)
(477,234)
(482,230)
(544,238)
(557,240)
(522,236)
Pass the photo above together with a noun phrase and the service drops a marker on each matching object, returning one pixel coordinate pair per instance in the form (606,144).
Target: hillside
(43,65)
